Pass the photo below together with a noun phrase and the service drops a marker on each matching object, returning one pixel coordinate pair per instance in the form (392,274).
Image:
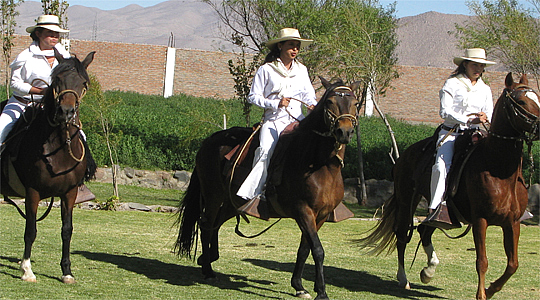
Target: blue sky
(404,7)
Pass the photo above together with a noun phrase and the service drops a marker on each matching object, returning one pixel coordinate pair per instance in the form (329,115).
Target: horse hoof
(303,294)
(29,278)
(424,277)
(68,279)
(406,286)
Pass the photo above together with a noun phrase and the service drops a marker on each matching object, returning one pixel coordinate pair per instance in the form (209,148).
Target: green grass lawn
(128,255)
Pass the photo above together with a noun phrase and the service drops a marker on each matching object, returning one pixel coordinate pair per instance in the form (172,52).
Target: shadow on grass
(354,281)
(176,274)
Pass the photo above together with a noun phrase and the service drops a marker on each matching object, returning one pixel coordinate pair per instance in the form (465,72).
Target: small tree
(101,115)
(7,28)
(508,31)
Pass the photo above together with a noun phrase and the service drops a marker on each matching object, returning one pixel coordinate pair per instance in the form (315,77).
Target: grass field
(128,255)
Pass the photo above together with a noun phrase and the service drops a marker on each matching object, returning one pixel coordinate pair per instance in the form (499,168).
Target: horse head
(340,109)
(522,108)
(69,84)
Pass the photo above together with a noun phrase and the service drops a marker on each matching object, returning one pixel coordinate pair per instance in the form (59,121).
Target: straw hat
(50,22)
(474,54)
(287,34)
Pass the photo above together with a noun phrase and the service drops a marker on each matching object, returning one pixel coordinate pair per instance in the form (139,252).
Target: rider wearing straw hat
(31,75)
(31,70)
(281,86)
(466,102)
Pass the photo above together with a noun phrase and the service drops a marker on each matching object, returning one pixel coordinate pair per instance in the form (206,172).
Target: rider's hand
(284,102)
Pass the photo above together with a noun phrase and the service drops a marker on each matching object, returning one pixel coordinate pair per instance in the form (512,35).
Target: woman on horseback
(466,102)
(280,86)
(31,71)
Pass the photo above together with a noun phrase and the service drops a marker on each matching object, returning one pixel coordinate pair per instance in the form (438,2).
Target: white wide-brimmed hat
(50,22)
(474,54)
(287,34)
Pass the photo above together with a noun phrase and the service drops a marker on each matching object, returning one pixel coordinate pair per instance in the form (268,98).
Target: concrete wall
(141,68)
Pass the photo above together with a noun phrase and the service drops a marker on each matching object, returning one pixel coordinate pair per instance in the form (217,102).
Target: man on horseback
(280,86)
(466,102)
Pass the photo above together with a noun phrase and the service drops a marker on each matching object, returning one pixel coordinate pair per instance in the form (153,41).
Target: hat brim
(54,28)
(458,60)
(303,42)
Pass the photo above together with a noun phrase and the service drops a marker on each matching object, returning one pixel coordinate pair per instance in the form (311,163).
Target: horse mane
(315,118)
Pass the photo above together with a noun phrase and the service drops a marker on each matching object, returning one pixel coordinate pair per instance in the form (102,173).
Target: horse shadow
(180,275)
(361,281)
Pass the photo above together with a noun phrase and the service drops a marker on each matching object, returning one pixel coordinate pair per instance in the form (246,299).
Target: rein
(515,109)
(332,119)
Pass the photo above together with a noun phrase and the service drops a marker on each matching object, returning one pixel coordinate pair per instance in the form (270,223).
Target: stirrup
(84,194)
(440,218)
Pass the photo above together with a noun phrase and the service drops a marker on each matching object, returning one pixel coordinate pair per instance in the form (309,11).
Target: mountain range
(424,39)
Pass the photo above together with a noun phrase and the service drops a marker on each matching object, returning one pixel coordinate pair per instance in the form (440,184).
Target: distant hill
(424,39)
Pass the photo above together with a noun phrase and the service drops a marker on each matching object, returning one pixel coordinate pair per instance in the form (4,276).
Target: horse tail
(382,235)
(188,215)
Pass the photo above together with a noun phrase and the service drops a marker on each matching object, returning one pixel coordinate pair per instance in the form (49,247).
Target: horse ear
(524,80)
(58,56)
(509,81)
(325,82)
(88,59)
(354,86)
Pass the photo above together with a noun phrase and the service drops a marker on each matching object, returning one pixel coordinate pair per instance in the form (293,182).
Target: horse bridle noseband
(515,109)
(331,119)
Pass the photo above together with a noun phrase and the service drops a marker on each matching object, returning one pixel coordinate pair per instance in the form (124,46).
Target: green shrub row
(152,132)
(157,133)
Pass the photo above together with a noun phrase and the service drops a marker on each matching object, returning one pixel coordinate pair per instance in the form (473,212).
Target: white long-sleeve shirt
(32,64)
(459,98)
(273,82)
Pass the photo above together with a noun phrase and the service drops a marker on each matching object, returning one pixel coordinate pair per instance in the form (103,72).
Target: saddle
(447,216)
(267,207)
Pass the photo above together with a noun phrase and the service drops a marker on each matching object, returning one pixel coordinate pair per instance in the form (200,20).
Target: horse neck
(503,145)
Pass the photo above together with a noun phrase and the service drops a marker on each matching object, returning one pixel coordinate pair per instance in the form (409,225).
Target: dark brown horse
(491,189)
(309,187)
(49,156)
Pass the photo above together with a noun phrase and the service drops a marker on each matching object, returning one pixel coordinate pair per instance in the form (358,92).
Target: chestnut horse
(310,188)
(49,156)
(491,189)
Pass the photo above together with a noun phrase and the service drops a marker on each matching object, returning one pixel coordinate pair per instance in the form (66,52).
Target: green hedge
(158,133)
(151,132)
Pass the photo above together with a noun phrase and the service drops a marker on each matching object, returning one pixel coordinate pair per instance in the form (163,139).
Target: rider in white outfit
(281,86)
(31,70)
(466,102)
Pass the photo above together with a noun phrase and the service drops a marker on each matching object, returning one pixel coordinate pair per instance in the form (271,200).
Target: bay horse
(310,188)
(49,156)
(491,189)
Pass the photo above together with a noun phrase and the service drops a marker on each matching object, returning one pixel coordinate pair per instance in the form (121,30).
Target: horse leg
(205,259)
(428,272)
(30,232)
(309,230)
(67,203)
(479,232)
(511,238)
(401,274)
(296,280)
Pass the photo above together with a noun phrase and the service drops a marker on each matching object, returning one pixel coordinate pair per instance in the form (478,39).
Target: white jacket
(459,98)
(273,82)
(32,64)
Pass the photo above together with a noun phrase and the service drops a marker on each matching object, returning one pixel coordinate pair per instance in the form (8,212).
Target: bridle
(514,110)
(331,119)
(71,121)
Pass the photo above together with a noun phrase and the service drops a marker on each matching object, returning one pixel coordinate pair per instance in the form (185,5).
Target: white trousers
(9,116)
(253,186)
(443,161)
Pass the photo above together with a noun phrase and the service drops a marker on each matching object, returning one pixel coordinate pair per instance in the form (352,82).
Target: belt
(22,100)
(447,128)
